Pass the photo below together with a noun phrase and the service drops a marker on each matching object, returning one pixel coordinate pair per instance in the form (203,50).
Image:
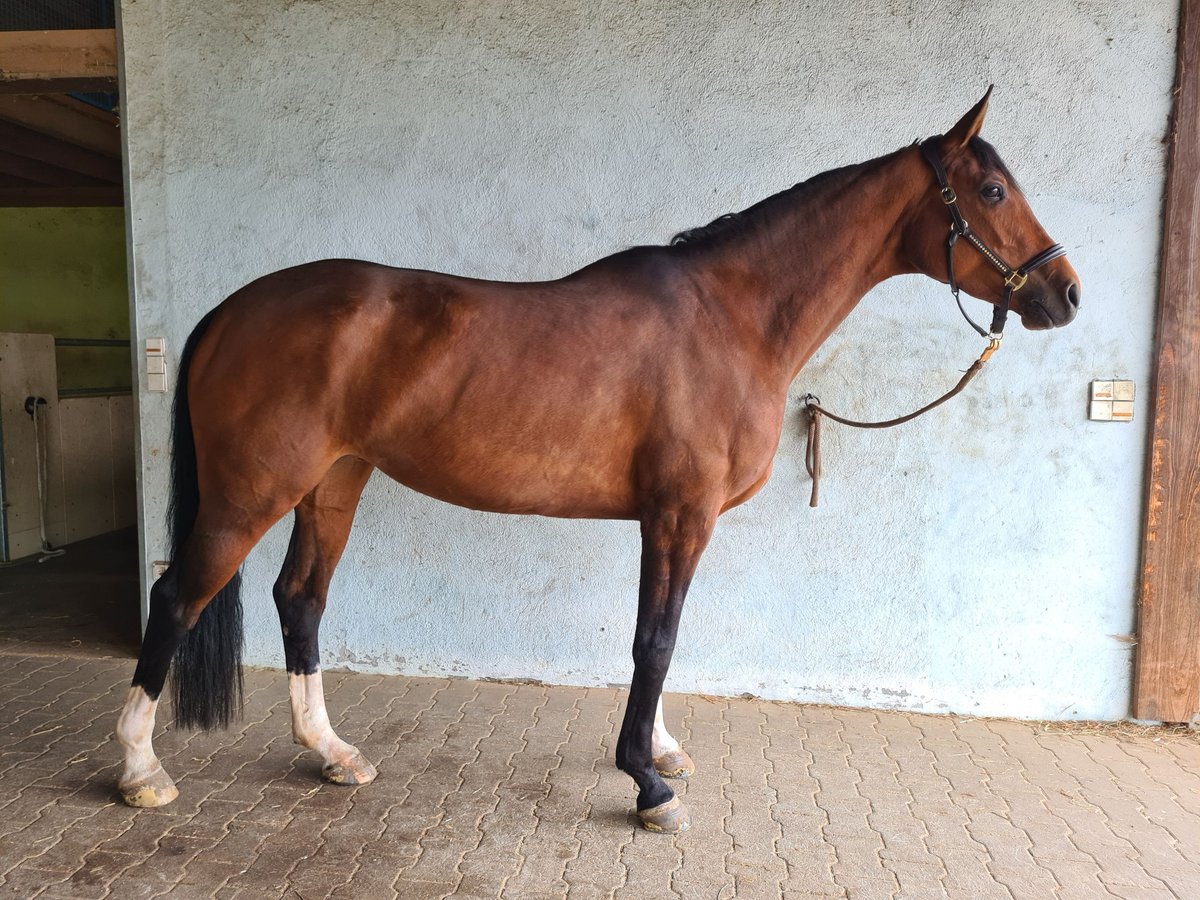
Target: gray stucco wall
(979,560)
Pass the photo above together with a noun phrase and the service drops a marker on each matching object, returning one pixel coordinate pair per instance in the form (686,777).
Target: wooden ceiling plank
(42,173)
(58,61)
(20,141)
(7,181)
(64,118)
(106,195)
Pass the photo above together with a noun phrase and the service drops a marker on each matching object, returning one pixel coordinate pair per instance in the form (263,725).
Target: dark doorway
(84,602)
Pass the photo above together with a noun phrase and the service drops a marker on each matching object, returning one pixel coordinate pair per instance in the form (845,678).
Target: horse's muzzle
(1045,311)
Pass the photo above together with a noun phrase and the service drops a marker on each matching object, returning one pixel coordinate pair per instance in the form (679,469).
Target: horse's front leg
(672,541)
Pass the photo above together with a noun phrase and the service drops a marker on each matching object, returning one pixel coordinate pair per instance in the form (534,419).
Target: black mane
(715,227)
(736,222)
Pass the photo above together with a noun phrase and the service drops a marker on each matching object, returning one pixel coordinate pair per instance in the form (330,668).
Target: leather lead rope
(812,403)
(1014,280)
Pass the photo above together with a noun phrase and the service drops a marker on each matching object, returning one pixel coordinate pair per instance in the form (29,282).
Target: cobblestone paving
(503,790)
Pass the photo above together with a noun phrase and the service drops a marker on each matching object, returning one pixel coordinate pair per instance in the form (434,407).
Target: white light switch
(1111,401)
(156,365)
(1122,411)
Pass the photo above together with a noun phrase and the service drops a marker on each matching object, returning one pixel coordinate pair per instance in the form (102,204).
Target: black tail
(206,674)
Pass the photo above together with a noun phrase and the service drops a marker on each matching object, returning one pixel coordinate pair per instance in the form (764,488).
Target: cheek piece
(1014,279)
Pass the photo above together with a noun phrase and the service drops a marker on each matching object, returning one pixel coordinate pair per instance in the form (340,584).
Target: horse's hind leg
(670,760)
(207,564)
(323,520)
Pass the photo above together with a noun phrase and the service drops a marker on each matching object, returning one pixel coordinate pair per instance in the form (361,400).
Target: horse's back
(513,397)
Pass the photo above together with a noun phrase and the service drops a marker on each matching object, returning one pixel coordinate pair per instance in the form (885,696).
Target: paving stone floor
(506,790)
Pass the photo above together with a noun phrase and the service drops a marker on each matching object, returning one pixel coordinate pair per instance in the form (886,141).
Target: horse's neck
(809,255)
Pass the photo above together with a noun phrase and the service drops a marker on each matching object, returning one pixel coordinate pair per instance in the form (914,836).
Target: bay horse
(649,386)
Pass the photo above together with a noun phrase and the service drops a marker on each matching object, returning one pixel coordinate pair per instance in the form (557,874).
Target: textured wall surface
(980,560)
(62,272)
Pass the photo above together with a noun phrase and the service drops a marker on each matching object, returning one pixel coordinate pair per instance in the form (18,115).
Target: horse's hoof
(156,789)
(675,764)
(356,770)
(667,818)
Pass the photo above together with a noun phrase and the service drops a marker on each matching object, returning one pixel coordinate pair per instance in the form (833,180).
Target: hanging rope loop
(815,411)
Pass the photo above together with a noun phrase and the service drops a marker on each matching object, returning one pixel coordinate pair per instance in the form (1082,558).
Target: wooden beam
(1167,679)
(7,181)
(20,141)
(40,62)
(38,172)
(105,195)
(64,118)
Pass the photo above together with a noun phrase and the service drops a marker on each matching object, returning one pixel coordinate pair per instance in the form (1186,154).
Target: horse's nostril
(1073,295)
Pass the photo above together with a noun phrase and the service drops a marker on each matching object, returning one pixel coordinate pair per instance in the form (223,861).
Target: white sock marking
(661,741)
(310,721)
(135,728)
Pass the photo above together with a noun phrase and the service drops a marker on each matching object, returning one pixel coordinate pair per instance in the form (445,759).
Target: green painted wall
(62,272)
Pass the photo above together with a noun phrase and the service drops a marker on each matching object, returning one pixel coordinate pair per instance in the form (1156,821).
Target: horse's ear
(966,127)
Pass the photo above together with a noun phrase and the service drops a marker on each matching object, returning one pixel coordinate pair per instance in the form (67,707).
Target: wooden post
(1167,681)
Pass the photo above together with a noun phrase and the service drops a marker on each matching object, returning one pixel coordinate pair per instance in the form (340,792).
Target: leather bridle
(1014,279)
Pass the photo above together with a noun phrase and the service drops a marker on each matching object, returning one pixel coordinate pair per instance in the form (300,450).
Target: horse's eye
(993,193)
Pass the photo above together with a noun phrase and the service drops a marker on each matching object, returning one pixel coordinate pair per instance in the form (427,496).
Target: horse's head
(996,243)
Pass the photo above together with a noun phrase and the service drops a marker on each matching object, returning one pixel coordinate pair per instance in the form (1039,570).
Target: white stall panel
(26,369)
(87,467)
(120,420)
